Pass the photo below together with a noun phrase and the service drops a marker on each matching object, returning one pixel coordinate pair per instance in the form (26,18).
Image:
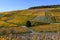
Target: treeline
(48,6)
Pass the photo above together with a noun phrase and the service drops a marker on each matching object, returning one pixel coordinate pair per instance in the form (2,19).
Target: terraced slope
(18,18)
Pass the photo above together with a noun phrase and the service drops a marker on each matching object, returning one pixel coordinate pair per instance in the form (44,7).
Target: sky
(9,5)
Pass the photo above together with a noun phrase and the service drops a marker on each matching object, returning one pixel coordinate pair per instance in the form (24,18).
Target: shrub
(28,23)
(12,31)
(4,32)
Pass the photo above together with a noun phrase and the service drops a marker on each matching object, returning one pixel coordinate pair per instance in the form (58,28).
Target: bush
(28,23)
(4,32)
(12,31)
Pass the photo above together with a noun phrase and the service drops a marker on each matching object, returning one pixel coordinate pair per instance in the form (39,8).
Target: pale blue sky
(8,5)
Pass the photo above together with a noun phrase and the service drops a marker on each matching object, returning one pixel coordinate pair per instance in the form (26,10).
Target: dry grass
(46,28)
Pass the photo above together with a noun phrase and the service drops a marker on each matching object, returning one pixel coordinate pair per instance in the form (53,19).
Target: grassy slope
(46,28)
(18,18)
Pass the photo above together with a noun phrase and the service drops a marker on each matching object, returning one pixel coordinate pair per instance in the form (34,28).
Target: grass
(46,28)
(10,30)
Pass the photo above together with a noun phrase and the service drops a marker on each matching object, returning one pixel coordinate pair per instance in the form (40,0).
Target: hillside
(48,6)
(18,18)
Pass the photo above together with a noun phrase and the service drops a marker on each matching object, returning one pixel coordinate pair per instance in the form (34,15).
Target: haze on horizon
(8,5)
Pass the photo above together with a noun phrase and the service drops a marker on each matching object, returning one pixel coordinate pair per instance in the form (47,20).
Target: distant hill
(48,6)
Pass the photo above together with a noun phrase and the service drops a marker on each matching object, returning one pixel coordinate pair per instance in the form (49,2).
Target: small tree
(28,23)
